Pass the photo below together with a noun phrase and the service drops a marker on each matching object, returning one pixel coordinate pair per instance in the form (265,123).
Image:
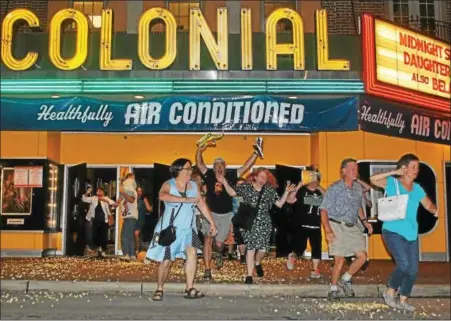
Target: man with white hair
(219,201)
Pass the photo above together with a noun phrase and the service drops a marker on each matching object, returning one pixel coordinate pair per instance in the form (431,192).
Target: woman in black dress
(258,237)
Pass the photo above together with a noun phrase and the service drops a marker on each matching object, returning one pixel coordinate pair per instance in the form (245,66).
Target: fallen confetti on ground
(113,269)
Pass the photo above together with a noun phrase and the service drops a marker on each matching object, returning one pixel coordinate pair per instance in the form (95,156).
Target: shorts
(313,235)
(222,222)
(348,240)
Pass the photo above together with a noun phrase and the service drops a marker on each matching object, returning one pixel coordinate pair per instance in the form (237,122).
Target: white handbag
(394,207)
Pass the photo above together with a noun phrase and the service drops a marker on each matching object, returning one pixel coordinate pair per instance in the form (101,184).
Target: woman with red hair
(257,238)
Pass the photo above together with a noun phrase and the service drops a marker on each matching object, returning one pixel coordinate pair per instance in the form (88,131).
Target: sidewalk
(111,274)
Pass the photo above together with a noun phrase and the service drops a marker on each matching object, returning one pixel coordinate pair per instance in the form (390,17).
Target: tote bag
(394,207)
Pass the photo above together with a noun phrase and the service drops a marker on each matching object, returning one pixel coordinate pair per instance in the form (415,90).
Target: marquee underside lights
(273,49)
(144,39)
(178,86)
(106,41)
(81,47)
(200,29)
(381,85)
(7,39)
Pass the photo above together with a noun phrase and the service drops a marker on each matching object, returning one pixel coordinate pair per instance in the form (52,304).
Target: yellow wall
(325,149)
(333,147)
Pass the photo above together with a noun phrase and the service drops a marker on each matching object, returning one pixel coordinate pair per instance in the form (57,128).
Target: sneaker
(259,270)
(390,300)
(333,295)
(102,254)
(406,306)
(243,259)
(315,274)
(291,261)
(248,280)
(219,261)
(207,275)
(258,147)
(125,258)
(347,287)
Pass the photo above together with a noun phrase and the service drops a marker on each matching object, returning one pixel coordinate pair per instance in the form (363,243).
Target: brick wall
(39,7)
(343,14)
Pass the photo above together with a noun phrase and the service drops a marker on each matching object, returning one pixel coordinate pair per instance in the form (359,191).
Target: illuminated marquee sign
(405,65)
(199,29)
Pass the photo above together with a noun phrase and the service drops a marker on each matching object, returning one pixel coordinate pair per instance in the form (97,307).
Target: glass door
(76,210)
(282,233)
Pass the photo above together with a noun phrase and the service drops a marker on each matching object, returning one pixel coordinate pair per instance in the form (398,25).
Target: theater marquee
(405,65)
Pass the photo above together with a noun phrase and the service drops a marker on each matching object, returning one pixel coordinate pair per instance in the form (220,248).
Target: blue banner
(179,113)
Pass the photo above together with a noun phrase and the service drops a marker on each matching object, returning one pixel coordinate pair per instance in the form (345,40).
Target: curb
(303,291)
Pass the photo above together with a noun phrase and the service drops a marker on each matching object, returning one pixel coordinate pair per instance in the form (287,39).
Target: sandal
(158,295)
(193,294)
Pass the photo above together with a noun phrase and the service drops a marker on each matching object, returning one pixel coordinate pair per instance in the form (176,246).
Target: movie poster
(15,200)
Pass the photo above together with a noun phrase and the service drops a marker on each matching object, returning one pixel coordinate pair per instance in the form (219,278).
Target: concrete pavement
(133,306)
(303,290)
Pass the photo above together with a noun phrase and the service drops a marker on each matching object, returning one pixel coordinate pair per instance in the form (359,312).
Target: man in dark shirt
(219,201)
(307,223)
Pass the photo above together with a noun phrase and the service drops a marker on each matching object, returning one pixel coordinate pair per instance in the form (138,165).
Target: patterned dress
(185,224)
(258,237)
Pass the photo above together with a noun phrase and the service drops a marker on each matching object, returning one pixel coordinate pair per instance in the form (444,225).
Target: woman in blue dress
(180,196)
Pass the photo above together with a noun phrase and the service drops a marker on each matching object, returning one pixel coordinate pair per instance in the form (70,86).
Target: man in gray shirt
(340,210)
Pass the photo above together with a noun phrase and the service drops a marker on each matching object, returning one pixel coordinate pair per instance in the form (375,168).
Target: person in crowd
(97,220)
(307,222)
(220,202)
(144,208)
(180,195)
(340,209)
(401,236)
(258,237)
(129,200)
(237,236)
(197,177)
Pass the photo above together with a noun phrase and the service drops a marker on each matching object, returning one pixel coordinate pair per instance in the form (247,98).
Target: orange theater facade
(142,123)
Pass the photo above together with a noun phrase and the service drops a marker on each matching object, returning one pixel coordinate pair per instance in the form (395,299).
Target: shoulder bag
(246,214)
(394,207)
(168,235)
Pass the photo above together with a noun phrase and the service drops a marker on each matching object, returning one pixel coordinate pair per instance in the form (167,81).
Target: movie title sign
(199,30)
(411,60)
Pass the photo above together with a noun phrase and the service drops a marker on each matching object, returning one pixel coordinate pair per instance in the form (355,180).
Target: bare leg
(360,259)
(163,271)
(242,249)
(315,263)
(259,256)
(338,265)
(190,266)
(208,244)
(137,243)
(250,259)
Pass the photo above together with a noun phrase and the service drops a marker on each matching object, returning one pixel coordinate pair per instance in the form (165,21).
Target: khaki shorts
(348,240)
(222,222)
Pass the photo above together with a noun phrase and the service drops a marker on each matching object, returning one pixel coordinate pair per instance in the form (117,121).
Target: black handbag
(168,235)
(246,214)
